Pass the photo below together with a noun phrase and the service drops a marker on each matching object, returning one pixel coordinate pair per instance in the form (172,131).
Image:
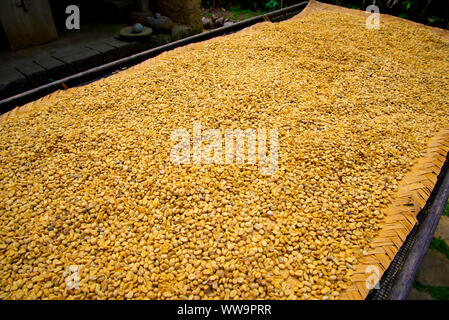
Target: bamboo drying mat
(411,196)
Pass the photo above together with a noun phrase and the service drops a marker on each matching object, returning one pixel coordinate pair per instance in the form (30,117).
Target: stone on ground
(434,269)
(442,230)
(418,295)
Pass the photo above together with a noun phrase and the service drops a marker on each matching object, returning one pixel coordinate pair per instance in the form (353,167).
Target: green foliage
(238,12)
(272,5)
(246,4)
(446,210)
(434,20)
(407,4)
(238,9)
(440,245)
(351,5)
(439,293)
(206,4)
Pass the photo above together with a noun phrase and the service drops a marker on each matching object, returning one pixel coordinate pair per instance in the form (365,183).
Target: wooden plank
(32,26)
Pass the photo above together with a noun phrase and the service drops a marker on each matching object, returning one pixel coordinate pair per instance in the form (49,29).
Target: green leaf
(440,245)
(439,293)
(446,210)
